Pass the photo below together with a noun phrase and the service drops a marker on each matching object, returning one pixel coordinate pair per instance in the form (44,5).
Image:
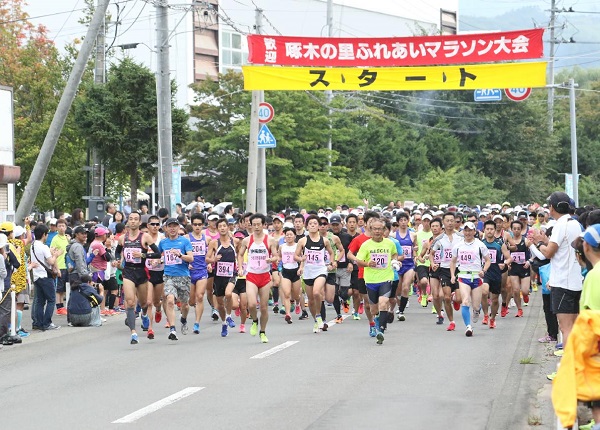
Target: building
(9,173)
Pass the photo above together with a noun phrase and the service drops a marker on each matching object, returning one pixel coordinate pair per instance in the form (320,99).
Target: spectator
(83,310)
(61,241)
(77,217)
(53,230)
(8,263)
(117,218)
(127,208)
(77,256)
(111,209)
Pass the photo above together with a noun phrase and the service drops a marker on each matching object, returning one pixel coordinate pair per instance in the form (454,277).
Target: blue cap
(592,236)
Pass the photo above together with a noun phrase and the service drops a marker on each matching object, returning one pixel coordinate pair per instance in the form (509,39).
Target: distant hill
(581,27)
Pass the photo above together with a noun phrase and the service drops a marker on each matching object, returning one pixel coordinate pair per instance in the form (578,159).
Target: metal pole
(329,93)
(163,100)
(551,69)
(573,142)
(43,160)
(153,197)
(261,186)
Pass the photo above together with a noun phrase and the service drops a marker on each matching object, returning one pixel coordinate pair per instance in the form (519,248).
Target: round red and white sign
(517,94)
(265,112)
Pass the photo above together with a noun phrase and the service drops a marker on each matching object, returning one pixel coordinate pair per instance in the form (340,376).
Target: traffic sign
(265,112)
(266,138)
(517,94)
(488,95)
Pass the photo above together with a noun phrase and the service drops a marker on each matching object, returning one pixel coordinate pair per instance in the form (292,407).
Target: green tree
(327,192)
(119,119)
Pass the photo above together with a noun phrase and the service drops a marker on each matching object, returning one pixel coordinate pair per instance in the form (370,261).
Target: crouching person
(83,310)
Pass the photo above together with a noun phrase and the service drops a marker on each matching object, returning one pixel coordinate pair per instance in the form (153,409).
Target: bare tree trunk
(134,189)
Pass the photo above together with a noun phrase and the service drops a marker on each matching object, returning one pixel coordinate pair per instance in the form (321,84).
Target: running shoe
(519,313)
(172,335)
(184,327)
(551,377)
(469,331)
(150,334)
(486,320)
(270,302)
(104,312)
(215,315)
(588,426)
(196,329)
(433,309)
(282,311)
(504,311)
(424,300)
(346,307)
(559,352)
(440,321)
(379,338)
(276,309)
(253,329)
(526,299)
(377,325)
(62,311)
(297,310)
(512,303)
(456,305)
(451,326)
(408,304)
(288,318)
(263,338)
(546,339)
(145,322)
(355,316)
(230,322)
(401,317)
(22,332)
(390,318)
(134,339)
(321,324)
(339,319)
(242,328)
(316,327)
(534,287)
(492,322)
(237,312)
(361,308)
(558,346)
(157,316)
(475,317)
(303,316)
(372,331)
(224,330)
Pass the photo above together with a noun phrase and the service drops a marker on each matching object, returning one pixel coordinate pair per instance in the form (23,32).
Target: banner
(464,77)
(395,51)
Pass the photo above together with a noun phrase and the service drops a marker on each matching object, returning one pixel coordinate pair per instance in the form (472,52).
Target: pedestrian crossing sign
(266,138)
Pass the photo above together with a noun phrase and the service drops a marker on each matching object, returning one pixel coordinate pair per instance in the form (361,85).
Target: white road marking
(276,349)
(332,322)
(157,405)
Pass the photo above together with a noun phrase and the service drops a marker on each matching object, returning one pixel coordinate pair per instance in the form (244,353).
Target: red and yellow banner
(459,77)
(395,51)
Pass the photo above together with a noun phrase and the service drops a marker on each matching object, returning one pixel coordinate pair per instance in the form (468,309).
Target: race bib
(225,269)
(407,251)
(466,257)
(257,261)
(313,257)
(287,257)
(381,260)
(128,253)
(199,248)
(447,255)
(493,255)
(159,266)
(171,258)
(518,257)
(437,257)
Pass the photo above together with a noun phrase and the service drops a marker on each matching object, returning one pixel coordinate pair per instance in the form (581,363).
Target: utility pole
(253,152)
(329,93)
(47,150)
(551,69)
(261,186)
(163,102)
(574,169)
(96,180)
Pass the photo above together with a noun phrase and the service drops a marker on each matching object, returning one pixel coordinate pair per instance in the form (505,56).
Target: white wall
(7,146)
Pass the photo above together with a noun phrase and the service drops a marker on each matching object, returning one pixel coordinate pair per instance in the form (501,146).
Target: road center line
(127,419)
(276,349)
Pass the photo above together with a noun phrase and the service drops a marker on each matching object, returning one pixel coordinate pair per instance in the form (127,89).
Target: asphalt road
(421,377)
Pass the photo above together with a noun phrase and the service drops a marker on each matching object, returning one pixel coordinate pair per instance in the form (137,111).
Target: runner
(408,241)
(301,232)
(198,268)
(502,236)
(434,269)
(276,234)
(519,269)
(492,281)
(310,253)
(211,233)
(375,256)
(221,254)
(156,269)
(290,278)
(343,275)
(423,264)
(354,291)
(262,251)
(444,243)
(132,250)
(331,292)
(238,296)
(471,256)
(177,255)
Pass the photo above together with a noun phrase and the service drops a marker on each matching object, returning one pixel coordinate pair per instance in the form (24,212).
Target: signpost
(266,138)
(517,94)
(488,95)
(265,112)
